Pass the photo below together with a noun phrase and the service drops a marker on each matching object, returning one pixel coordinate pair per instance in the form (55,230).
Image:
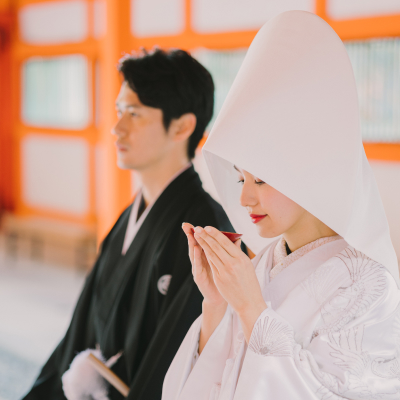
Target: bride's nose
(248,197)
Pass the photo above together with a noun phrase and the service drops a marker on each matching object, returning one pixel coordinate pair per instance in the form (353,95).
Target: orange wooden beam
(90,134)
(88,48)
(320,8)
(383,151)
(21,3)
(123,30)
(367,28)
(192,40)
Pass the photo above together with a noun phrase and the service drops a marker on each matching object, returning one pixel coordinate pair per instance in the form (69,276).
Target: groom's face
(141,138)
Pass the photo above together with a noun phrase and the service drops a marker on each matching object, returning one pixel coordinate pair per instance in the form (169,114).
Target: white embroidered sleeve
(354,352)
(272,336)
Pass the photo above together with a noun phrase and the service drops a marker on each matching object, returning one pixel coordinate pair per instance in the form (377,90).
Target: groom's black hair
(174,82)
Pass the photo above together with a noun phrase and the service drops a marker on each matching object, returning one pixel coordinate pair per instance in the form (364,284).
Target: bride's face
(272,212)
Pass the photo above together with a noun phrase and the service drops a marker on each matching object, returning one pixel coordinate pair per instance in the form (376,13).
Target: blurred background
(60,189)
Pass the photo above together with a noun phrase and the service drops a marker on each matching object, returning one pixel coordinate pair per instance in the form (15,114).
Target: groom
(140,297)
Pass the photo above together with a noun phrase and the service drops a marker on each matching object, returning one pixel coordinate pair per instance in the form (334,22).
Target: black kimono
(121,307)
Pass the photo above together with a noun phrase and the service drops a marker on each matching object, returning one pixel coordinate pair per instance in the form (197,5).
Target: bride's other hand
(234,275)
(214,305)
(202,273)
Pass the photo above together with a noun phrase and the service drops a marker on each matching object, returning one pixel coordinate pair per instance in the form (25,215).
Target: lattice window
(376,65)
(56,92)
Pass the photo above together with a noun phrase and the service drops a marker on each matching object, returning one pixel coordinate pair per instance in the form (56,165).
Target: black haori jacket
(121,306)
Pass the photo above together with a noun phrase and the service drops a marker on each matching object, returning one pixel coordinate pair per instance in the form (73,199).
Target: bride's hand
(234,275)
(202,273)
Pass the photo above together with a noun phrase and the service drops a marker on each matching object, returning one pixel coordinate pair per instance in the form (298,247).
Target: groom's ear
(182,128)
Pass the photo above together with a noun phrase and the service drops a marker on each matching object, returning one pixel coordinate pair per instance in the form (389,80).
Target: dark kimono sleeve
(78,337)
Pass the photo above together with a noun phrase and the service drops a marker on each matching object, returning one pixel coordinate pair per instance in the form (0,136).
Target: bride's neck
(306,230)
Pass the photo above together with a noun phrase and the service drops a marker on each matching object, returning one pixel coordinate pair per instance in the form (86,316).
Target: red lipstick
(255,218)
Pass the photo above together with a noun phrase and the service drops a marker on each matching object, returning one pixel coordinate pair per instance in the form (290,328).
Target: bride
(316,314)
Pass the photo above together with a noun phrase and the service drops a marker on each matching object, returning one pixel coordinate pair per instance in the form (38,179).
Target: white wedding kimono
(331,331)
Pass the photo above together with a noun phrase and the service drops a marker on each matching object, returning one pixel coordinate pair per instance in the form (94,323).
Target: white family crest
(163,284)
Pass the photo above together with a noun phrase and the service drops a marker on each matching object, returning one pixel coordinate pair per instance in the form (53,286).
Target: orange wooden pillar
(6,139)
(114,184)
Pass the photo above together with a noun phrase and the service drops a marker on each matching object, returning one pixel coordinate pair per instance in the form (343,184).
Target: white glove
(82,382)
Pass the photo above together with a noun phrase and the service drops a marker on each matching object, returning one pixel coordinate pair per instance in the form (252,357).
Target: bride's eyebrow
(237,169)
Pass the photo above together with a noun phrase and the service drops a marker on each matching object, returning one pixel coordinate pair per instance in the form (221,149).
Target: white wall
(157,17)
(55,173)
(231,15)
(346,9)
(54,22)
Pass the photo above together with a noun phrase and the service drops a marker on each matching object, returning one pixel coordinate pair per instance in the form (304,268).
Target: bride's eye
(258,182)
(241,180)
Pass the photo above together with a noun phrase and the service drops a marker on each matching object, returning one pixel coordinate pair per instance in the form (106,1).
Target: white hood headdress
(291,118)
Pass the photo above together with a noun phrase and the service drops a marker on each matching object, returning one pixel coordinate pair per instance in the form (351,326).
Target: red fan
(232,236)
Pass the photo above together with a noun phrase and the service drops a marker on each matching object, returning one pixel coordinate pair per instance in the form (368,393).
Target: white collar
(134,223)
